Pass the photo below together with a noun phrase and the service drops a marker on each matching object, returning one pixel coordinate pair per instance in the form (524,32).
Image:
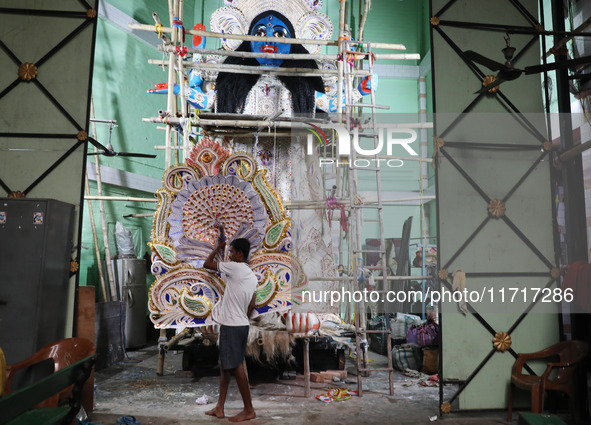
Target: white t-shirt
(241,284)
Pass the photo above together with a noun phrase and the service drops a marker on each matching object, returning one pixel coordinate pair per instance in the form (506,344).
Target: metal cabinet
(35,252)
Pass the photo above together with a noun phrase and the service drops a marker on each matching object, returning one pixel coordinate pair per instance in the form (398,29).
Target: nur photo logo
(367,154)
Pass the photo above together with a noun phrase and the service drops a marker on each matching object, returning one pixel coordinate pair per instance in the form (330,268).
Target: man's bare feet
(219,413)
(243,416)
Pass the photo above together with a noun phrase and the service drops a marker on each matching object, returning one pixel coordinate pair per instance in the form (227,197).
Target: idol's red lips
(269,49)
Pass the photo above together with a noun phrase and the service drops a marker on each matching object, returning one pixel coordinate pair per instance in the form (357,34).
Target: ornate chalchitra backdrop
(217,188)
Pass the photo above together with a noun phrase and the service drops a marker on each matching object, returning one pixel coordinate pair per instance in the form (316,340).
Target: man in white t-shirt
(232,314)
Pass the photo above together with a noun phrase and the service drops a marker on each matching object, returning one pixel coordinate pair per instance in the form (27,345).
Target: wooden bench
(18,408)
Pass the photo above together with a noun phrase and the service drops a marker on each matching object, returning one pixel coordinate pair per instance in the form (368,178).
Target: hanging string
(275,156)
(255,145)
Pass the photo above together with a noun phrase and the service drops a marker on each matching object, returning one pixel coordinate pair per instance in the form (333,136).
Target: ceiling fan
(508,72)
(108,150)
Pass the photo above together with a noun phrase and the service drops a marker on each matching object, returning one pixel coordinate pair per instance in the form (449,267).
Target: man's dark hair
(241,245)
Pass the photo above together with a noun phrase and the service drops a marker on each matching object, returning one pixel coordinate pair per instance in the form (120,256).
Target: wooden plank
(85,329)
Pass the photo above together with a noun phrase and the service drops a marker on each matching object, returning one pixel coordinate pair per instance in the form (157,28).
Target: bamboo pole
(366,7)
(99,184)
(574,151)
(349,278)
(180,78)
(267,70)
(119,198)
(306,367)
(161,352)
(172,342)
(138,215)
(294,56)
(245,37)
(232,123)
(95,238)
(171,100)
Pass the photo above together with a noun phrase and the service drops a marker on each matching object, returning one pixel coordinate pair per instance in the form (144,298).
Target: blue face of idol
(270,26)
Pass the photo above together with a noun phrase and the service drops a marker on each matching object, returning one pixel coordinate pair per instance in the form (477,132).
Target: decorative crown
(236,16)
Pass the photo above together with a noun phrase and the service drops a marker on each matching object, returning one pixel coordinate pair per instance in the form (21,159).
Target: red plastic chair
(63,352)
(558,376)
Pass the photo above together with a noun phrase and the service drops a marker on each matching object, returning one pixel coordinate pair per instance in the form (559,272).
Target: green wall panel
(496,251)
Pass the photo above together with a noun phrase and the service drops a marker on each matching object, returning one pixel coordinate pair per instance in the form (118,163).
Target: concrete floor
(132,388)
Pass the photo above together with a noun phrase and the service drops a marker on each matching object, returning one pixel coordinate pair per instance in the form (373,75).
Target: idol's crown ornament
(237,15)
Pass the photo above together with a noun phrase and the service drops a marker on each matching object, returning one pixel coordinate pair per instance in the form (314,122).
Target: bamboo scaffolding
(99,185)
(300,205)
(294,56)
(119,198)
(231,123)
(138,215)
(346,186)
(170,98)
(363,19)
(172,342)
(395,200)
(161,148)
(346,278)
(95,237)
(180,75)
(284,124)
(574,151)
(246,69)
(245,37)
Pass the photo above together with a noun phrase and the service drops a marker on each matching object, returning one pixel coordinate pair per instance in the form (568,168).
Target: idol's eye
(280,32)
(260,31)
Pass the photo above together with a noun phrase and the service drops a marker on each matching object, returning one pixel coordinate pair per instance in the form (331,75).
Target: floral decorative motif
(496,208)
(489,79)
(17,194)
(211,155)
(502,341)
(82,135)
(443,274)
(27,71)
(445,407)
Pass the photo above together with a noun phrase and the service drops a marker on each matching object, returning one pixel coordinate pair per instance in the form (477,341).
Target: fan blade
(137,155)
(492,85)
(535,69)
(509,74)
(489,63)
(97,144)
